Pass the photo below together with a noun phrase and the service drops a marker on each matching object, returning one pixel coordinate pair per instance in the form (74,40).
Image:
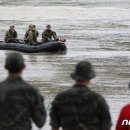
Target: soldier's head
(12,27)
(30,26)
(34,26)
(14,63)
(48,27)
(83,72)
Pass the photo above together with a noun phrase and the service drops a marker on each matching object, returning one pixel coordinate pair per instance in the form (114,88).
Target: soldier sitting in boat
(32,36)
(27,32)
(11,35)
(48,35)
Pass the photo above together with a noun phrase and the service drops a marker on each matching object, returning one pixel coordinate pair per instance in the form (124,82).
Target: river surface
(96,30)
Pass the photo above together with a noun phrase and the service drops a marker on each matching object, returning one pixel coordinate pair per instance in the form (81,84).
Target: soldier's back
(79,108)
(16,99)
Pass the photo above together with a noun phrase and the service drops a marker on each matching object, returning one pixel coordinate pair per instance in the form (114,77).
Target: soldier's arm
(16,35)
(26,35)
(6,37)
(54,35)
(37,33)
(37,110)
(44,35)
(54,117)
(104,114)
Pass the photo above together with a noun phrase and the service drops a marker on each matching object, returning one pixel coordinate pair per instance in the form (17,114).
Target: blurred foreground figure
(80,108)
(20,103)
(123,122)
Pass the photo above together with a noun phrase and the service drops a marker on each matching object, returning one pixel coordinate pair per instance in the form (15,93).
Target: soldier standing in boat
(11,35)
(80,108)
(20,103)
(48,35)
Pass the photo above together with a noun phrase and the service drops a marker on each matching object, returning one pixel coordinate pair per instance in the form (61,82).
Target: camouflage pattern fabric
(11,36)
(27,33)
(32,37)
(80,108)
(48,34)
(19,104)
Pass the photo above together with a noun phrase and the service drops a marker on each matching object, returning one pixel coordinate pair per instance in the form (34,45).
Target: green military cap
(14,59)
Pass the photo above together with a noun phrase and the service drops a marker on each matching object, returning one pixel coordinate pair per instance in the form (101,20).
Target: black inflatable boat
(53,46)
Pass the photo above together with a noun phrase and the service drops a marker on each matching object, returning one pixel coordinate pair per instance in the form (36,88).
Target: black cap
(14,62)
(48,25)
(83,71)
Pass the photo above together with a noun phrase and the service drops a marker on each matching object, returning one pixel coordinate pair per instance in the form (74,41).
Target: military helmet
(30,25)
(48,25)
(83,71)
(12,26)
(33,26)
(14,62)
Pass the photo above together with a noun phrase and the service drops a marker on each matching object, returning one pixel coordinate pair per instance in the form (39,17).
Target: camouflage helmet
(12,26)
(30,26)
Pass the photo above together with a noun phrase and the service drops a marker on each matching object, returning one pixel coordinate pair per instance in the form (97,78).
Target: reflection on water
(96,30)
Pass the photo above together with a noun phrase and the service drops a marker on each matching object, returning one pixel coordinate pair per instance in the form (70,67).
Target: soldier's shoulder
(98,96)
(2,84)
(7,32)
(29,89)
(27,31)
(28,86)
(53,31)
(45,31)
(64,94)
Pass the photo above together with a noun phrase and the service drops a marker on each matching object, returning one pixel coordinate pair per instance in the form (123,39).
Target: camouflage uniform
(32,37)
(48,34)
(80,108)
(19,104)
(11,36)
(27,33)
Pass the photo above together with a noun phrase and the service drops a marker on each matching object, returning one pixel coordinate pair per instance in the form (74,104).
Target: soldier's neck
(16,74)
(85,83)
